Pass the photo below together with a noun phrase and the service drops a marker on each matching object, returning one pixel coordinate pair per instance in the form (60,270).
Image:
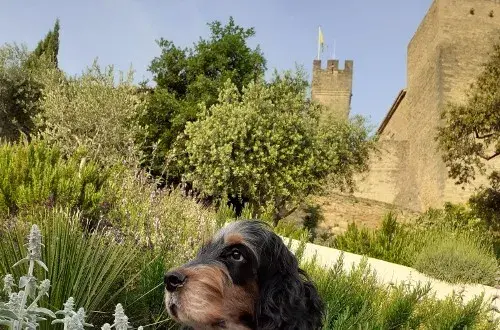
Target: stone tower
(444,56)
(332,87)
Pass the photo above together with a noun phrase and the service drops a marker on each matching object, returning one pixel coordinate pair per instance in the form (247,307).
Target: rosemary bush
(36,174)
(356,300)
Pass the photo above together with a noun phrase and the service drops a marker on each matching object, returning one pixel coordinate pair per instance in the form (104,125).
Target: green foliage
(356,300)
(267,146)
(313,216)
(186,77)
(485,204)
(21,84)
(35,174)
(47,49)
(92,268)
(165,219)
(452,313)
(19,94)
(144,298)
(470,133)
(92,112)
(13,55)
(452,217)
(392,242)
(291,230)
(447,244)
(458,258)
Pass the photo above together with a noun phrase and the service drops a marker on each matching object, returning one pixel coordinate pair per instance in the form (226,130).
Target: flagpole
(319,42)
(333,48)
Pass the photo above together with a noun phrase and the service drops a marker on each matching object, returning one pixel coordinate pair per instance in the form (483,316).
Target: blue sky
(374,34)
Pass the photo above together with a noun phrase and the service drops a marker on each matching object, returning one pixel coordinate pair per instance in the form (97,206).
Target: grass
(92,268)
(354,299)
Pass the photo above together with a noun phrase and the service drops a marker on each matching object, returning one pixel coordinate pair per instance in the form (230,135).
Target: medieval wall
(387,168)
(444,57)
(464,51)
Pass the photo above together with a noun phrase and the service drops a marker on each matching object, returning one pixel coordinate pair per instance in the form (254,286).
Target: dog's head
(244,278)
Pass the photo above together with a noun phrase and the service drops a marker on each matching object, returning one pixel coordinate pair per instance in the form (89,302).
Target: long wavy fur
(288,299)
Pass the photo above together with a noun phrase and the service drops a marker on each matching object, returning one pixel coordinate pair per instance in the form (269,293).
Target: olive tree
(267,147)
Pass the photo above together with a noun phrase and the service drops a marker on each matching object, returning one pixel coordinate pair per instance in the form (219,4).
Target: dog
(244,278)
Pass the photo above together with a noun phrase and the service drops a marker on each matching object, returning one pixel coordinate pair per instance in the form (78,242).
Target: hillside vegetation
(111,184)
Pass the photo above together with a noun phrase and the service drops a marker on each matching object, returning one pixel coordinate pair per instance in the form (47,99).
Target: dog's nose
(174,280)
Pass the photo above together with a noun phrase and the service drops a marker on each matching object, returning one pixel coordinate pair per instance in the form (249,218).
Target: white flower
(44,287)
(69,306)
(8,284)
(35,243)
(121,320)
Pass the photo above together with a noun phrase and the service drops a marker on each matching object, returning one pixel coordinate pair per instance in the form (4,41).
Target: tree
(186,77)
(47,49)
(93,111)
(266,146)
(19,93)
(470,133)
(21,76)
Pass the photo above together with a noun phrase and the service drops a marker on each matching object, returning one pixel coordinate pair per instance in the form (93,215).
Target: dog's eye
(236,255)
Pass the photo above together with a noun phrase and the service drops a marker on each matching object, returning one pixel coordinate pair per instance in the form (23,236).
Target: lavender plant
(21,311)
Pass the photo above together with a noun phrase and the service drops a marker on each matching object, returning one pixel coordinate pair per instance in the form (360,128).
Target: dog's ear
(287,298)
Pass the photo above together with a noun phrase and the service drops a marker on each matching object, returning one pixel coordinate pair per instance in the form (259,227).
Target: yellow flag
(320,41)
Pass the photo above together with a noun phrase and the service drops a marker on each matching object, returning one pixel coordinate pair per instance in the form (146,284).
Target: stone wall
(464,50)
(332,87)
(444,57)
(387,168)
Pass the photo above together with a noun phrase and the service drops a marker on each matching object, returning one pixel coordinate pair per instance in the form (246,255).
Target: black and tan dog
(244,278)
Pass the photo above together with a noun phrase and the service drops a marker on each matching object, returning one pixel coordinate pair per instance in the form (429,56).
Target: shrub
(35,174)
(353,299)
(19,94)
(447,244)
(186,76)
(458,257)
(392,242)
(452,217)
(93,112)
(292,230)
(164,219)
(313,216)
(485,204)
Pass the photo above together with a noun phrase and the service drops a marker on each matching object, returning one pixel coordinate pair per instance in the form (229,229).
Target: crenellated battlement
(333,66)
(332,87)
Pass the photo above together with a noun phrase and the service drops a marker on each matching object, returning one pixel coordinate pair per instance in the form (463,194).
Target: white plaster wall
(388,273)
